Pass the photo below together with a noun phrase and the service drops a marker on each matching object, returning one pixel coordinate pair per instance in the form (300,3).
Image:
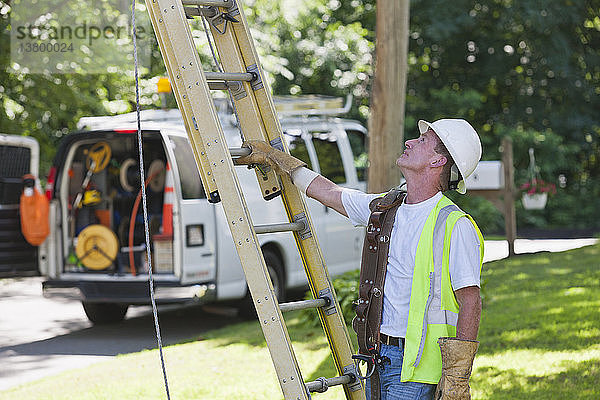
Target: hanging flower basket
(535,191)
(534,201)
(535,194)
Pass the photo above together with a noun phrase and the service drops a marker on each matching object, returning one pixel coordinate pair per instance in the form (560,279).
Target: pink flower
(538,186)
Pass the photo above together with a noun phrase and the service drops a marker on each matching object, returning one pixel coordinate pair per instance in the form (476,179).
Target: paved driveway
(41,337)
(498,249)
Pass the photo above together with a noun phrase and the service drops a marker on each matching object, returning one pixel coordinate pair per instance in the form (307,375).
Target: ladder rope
(144,205)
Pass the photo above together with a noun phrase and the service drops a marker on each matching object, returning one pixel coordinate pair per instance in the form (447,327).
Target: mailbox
(489,175)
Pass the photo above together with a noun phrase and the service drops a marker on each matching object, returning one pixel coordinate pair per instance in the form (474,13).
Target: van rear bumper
(128,292)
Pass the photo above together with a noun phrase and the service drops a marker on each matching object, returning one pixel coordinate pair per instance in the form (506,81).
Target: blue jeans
(389,379)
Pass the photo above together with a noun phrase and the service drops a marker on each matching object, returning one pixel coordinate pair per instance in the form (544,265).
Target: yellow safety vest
(433,310)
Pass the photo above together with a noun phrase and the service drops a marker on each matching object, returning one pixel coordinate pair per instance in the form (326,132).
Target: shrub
(346,289)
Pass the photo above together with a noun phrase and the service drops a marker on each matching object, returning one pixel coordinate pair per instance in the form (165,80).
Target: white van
(198,262)
(19,155)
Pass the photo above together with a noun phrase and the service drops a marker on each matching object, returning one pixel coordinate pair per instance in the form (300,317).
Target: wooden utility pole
(386,124)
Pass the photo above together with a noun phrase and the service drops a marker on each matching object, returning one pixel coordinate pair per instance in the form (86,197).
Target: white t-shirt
(406,231)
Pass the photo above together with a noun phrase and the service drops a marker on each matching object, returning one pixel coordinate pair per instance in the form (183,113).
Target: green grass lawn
(540,339)
(540,329)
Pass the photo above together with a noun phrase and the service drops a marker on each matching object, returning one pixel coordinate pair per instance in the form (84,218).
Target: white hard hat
(463,143)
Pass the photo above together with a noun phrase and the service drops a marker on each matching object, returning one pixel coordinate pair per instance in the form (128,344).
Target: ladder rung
(286,227)
(214,3)
(239,151)
(322,384)
(222,85)
(200,12)
(303,304)
(230,76)
(218,85)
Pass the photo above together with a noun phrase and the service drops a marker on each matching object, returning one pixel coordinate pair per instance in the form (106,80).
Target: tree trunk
(386,124)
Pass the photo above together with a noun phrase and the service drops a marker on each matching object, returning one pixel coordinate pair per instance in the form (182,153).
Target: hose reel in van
(129,175)
(97,247)
(157,174)
(99,156)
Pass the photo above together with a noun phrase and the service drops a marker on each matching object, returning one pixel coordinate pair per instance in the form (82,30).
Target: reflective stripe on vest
(433,310)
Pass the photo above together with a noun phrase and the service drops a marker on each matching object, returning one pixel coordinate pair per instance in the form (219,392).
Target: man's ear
(439,161)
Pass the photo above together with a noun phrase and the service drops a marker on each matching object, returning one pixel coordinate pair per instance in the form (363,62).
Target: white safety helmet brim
(462,142)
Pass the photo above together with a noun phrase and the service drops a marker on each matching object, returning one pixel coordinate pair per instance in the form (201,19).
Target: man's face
(419,153)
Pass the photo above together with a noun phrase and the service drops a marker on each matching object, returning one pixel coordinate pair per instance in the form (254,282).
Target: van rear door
(19,155)
(193,219)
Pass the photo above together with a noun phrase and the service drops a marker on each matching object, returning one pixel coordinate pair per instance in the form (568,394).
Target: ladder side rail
(263,95)
(249,114)
(319,280)
(170,20)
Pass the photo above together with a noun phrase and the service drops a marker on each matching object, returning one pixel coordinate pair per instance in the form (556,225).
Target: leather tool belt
(372,278)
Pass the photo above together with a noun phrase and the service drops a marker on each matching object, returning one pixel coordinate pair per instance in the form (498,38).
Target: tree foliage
(529,69)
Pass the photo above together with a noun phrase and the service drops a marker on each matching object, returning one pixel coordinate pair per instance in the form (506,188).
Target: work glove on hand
(457,363)
(263,153)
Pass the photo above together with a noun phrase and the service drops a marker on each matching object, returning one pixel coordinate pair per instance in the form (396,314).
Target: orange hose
(134,211)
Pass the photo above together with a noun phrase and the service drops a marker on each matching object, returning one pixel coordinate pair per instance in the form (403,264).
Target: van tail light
(50,183)
(169,199)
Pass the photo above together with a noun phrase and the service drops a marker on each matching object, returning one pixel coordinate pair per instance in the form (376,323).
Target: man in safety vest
(431,304)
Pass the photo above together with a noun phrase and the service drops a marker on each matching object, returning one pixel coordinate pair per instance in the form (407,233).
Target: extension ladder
(252,101)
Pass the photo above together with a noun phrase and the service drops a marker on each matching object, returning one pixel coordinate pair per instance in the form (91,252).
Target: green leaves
(528,69)
(346,290)
(524,69)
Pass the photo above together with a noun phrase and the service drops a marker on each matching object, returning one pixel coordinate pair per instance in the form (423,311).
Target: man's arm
(327,193)
(469,314)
